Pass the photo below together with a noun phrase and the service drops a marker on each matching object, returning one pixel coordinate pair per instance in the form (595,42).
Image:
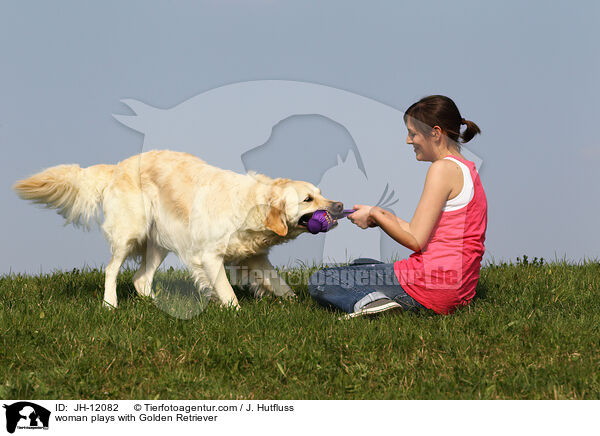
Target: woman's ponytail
(471,130)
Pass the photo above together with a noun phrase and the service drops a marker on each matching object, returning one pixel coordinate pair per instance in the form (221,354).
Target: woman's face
(421,143)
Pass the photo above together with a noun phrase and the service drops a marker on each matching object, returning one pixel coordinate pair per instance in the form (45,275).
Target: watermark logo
(26,416)
(242,127)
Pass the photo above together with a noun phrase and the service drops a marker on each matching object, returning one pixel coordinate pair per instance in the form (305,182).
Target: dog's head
(292,203)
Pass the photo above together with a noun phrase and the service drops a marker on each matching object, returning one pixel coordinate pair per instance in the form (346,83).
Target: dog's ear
(275,219)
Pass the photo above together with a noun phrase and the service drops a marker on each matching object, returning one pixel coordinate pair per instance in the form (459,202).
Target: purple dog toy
(322,221)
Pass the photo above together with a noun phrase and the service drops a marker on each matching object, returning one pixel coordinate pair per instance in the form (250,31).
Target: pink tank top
(444,274)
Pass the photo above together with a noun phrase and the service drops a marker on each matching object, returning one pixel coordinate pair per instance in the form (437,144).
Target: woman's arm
(395,227)
(439,183)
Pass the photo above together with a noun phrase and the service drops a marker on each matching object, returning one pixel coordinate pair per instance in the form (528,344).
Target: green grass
(532,333)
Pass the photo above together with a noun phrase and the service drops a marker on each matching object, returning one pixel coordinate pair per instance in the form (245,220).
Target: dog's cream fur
(164,201)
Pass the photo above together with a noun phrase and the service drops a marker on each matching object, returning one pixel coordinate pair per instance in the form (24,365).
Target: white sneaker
(374,307)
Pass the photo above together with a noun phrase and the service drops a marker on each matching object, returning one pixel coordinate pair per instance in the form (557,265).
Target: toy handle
(347,212)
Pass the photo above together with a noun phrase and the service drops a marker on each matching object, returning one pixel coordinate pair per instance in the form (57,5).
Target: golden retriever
(164,201)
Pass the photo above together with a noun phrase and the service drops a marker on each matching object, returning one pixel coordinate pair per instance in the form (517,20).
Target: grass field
(531,333)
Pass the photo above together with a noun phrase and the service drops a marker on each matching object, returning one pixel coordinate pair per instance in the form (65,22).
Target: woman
(446,233)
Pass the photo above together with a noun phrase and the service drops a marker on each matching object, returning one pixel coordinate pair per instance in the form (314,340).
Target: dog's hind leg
(152,257)
(209,270)
(110,280)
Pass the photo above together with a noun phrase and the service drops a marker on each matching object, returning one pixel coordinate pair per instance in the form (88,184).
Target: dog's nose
(337,207)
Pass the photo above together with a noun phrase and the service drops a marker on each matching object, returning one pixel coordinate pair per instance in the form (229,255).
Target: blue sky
(525,72)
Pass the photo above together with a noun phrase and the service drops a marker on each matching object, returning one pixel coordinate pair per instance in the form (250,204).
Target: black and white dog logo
(25,415)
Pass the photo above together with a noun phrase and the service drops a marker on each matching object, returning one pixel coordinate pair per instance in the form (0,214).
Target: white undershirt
(467,192)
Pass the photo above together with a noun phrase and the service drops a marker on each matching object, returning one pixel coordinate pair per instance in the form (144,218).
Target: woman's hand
(362,217)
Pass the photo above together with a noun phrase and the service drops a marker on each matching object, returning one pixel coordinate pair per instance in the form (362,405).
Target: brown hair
(439,110)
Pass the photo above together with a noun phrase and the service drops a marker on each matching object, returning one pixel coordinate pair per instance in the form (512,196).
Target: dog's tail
(76,193)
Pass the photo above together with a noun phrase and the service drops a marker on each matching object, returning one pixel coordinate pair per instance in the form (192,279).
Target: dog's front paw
(290,296)
(108,305)
(230,306)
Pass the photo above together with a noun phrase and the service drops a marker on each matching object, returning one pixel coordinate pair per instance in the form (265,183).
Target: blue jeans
(351,287)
